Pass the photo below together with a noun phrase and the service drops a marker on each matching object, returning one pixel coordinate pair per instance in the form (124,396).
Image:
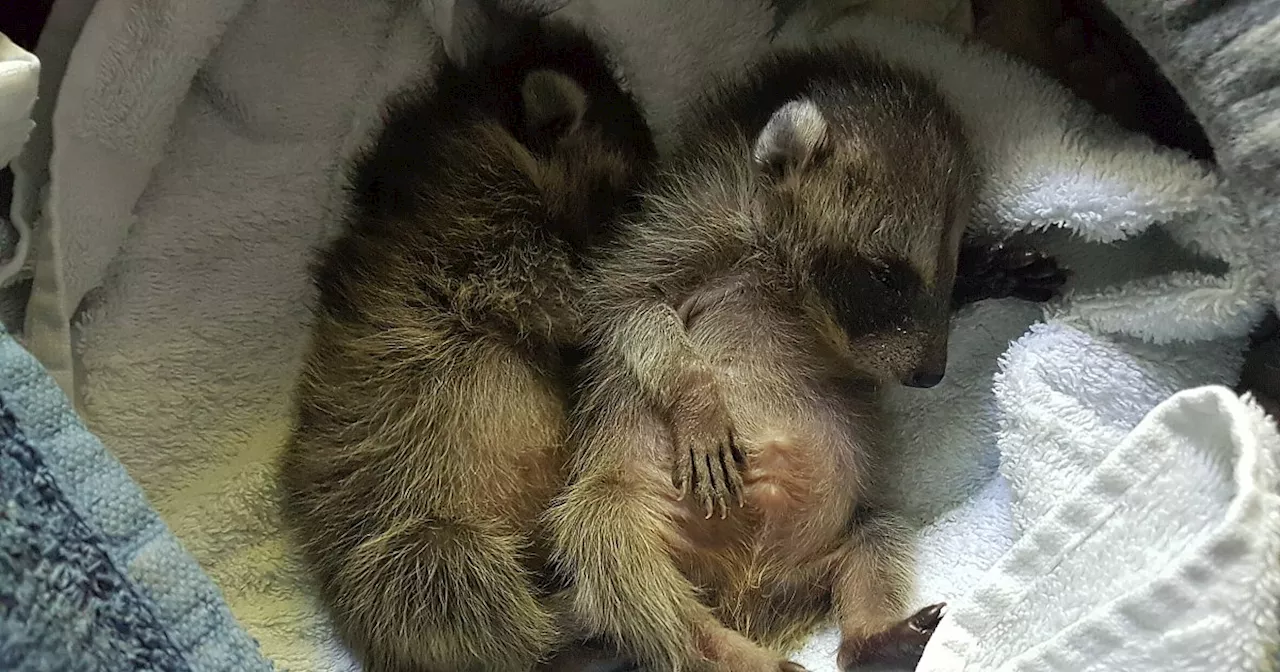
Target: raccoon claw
(901,644)
(709,462)
(714,478)
(925,621)
(996,269)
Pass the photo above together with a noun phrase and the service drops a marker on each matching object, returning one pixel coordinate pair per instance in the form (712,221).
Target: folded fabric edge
(1256,443)
(1185,584)
(1175,307)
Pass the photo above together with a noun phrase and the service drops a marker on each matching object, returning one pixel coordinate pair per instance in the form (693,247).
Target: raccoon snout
(931,370)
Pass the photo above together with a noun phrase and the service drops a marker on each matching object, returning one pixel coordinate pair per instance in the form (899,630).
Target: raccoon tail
(625,587)
(443,595)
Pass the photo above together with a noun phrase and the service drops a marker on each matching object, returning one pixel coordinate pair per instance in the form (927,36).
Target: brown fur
(798,255)
(431,409)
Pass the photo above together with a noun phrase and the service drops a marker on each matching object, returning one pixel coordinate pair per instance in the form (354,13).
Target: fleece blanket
(194,156)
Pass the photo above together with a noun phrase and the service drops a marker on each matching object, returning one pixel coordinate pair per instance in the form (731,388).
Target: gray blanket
(1224,58)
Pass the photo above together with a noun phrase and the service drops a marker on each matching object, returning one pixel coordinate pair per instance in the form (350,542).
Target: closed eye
(865,295)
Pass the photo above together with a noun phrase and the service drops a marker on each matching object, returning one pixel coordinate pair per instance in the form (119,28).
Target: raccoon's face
(872,210)
(591,147)
(885,317)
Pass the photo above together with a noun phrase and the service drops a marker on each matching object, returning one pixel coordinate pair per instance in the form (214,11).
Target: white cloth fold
(1164,556)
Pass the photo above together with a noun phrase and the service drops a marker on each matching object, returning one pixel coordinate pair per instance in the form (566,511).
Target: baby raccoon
(431,420)
(798,255)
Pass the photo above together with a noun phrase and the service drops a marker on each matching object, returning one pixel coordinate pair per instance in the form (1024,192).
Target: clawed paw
(729,651)
(708,460)
(901,644)
(710,469)
(997,269)
(921,624)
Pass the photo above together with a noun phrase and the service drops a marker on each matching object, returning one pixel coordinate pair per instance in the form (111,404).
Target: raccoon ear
(554,104)
(795,134)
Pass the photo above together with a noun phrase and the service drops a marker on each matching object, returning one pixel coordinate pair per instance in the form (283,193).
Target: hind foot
(726,650)
(989,268)
(901,644)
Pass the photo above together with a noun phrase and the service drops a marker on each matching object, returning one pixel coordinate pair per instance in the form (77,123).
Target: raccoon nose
(925,379)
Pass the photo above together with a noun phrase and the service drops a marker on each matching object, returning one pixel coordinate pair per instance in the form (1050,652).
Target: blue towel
(90,577)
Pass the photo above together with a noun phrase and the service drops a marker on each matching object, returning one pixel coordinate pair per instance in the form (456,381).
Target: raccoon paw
(726,650)
(902,644)
(997,269)
(708,462)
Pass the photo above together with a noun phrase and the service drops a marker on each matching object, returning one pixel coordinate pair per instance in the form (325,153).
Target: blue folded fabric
(90,577)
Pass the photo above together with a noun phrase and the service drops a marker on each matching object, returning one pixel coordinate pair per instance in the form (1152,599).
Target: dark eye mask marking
(867,296)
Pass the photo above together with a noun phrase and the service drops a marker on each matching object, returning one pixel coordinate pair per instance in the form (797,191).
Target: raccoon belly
(801,478)
(762,569)
(788,507)
(778,479)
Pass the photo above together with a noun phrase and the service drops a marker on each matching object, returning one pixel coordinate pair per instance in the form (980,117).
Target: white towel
(196,160)
(1162,557)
